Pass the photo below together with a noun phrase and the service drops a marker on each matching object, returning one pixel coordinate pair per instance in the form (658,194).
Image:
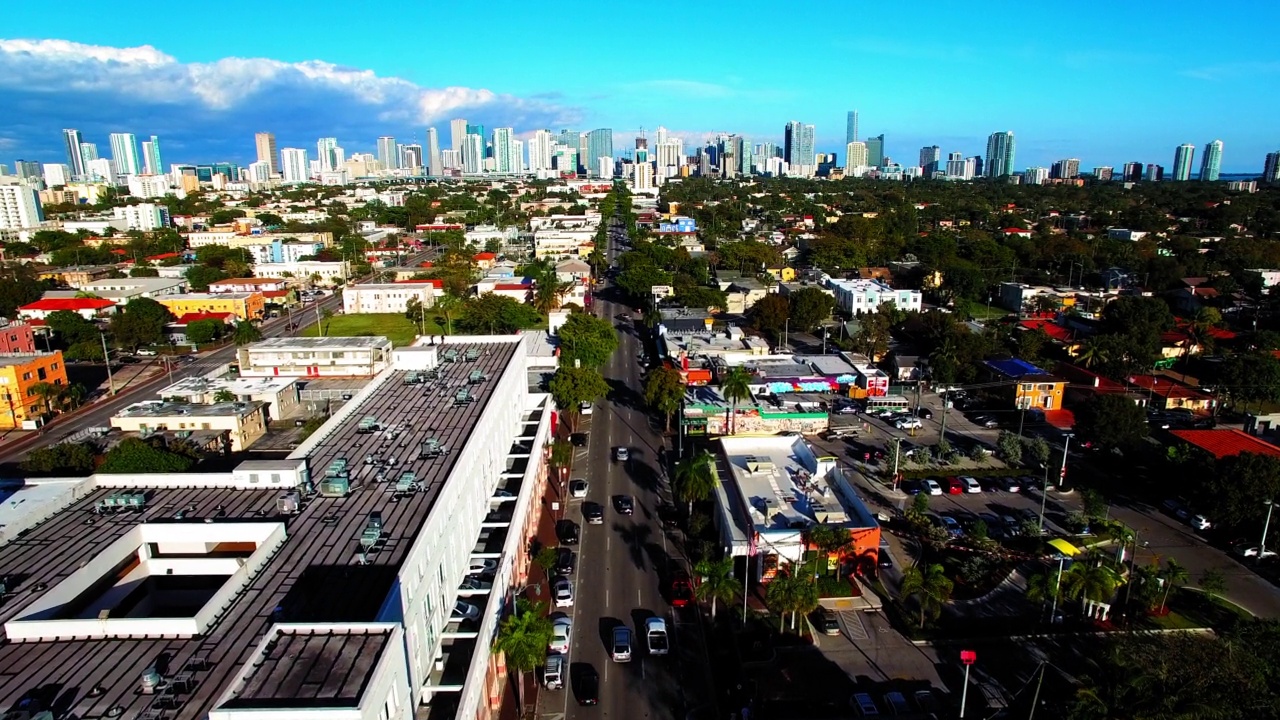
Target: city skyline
(103,75)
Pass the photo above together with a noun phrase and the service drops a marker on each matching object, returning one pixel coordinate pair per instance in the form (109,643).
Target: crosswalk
(851,625)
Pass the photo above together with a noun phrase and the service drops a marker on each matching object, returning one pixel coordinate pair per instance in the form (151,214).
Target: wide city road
(624,562)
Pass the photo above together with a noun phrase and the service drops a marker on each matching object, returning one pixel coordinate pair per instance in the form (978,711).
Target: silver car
(621,644)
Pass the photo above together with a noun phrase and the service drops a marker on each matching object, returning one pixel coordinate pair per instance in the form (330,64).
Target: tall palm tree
(47,392)
(1089,581)
(548,291)
(929,586)
(736,386)
(804,598)
(523,638)
(826,539)
(1172,572)
(1092,354)
(696,478)
(781,597)
(447,305)
(1043,587)
(717,582)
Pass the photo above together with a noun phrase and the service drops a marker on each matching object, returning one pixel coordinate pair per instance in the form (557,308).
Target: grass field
(393,326)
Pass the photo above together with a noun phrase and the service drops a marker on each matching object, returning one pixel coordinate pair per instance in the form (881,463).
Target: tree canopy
(140,322)
(587,339)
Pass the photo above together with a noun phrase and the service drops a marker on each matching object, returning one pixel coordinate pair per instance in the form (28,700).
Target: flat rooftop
(180,409)
(301,669)
(314,577)
(238,385)
(321,343)
(7,359)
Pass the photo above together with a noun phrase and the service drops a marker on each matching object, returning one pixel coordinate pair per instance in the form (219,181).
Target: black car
(568,532)
(587,687)
(624,505)
(882,558)
(925,413)
(565,561)
(593,512)
(578,439)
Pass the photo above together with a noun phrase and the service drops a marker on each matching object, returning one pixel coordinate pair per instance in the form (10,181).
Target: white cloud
(148,76)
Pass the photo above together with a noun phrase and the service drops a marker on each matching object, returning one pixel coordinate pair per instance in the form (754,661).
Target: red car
(681,591)
(954,486)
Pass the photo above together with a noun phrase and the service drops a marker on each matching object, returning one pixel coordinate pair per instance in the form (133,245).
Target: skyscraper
(411,157)
(294,165)
(875,150)
(124,154)
(599,144)
(434,166)
(89,153)
(930,158)
(1068,169)
(1000,152)
(798,145)
(1212,162)
(1132,172)
(1104,173)
(1182,159)
(27,169)
(1155,173)
(855,155)
(327,154)
(851,127)
(541,148)
(745,160)
(72,140)
(151,164)
(457,134)
(265,143)
(388,155)
(503,151)
(472,153)
(1271,168)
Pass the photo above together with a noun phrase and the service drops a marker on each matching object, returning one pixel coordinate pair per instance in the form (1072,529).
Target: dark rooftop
(299,669)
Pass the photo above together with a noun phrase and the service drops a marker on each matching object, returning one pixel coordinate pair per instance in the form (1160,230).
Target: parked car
(482,566)
(1009,484)
(147,352)
(932,486)
(826,622)
(565,561)
(971,485)
(568,532)
(882,557)
(908,424)
(954,486)
(561,630)
(593,512)
(681,591)
(578,439)
(624,504)
(578,488)
(562,590)
(465,611)
(1200,522)
(865,706)
(925,414)
(621,648)
(951,525)
(896,703)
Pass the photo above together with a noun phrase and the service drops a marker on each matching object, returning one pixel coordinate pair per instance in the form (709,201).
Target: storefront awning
(1064,547)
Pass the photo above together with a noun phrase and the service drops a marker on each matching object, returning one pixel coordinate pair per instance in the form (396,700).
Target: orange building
(20,376)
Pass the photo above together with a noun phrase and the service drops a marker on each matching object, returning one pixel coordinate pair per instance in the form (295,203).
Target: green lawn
(393,326)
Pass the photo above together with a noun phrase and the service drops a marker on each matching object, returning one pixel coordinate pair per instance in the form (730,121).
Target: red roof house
(88,308)
(1226,442)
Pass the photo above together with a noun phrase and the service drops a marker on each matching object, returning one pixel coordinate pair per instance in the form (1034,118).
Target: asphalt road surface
(624,562)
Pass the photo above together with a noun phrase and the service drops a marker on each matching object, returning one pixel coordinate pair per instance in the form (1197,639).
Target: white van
(585,408)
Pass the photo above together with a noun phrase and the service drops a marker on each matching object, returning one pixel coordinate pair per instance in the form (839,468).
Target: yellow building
(19,374)
(244,306)
(782,274)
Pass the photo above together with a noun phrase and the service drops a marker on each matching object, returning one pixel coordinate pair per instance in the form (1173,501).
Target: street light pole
(111,381)
(1066,442)
(1057,587)
(897,453)
(1271,505)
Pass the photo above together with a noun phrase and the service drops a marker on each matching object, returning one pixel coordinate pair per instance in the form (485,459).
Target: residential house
(1165,393)
(88,308)
(1225,442)
(20,373)
(1025,386)
(244,306)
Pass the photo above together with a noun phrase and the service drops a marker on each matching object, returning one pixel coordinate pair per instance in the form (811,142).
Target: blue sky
(1122,81)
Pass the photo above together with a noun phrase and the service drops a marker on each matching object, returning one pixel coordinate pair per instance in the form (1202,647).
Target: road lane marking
(606,597)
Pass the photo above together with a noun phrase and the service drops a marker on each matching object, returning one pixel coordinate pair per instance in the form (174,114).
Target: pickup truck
(656,633)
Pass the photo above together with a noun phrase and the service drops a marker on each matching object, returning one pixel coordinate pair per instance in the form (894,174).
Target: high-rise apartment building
(72,139)
(599,144)
(259,172)
(799,145)
(1068,169)
(1132,172)
(1211,164)
(124,154)
(411,157)
(19,207)
(472,153)
(851,127)
(1104,173)
(27,169)
(503,151)
(1000,154)
(1155,173)
(327,153)
(1035,176)
(743,148)
(1271,168)
(875,150)
(88,153)
(855,155)
(265,144)
(151,164)
(930,159)
(540,151)
(388,154)
(565,159)
(295,167)
(1182,159)
(457,135)
(434,166)
(642,176)
(56,174)
(670,154)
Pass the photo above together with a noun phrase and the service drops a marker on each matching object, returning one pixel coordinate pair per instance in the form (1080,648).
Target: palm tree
(223,396)
(523,638)
(1043,587)
(47,392)
(696,478)
(930,587)
(1092,354)
(246,332)
(735,386)
(446,304)
(1173,572)
(780,596)
(73,396)
(717,582)
(826,539)
(1089,581)
(804,598)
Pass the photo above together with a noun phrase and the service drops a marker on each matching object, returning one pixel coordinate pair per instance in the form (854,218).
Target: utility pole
(897,453)
(945,407)
(111,382)
(1271,505)
(1062,475)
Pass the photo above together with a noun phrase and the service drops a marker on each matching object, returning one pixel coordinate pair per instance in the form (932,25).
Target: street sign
(968,657)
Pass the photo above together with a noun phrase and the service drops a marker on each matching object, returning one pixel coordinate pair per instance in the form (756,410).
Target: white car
(578,488)
(465,611)
(481,566)
(1199,522)
(147,352)
(971,485)
(561,629)
(621,648)
(562,589)
(908,423)
(932,486)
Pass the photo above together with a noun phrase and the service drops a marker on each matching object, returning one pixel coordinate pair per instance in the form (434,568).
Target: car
(1199,522)
(593,512)
(1009,484)
(924,414)
(882,558)
(474,582)
(620,650)
(586,686)
(621,454)
(896,703)
(482,566)
(951,525)
(568,532)
(624,505)
(865,706)
(578,439)
(908,424)
(971,484)
(681,591)
(465,611)
(578,488)
(1252,551)
(912,487)
(561,631)
(847,410)
(585,408)
(932,486)
(147,352)
(827,622)
(562,591)
(954,486)
(565,561)
(925,701)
